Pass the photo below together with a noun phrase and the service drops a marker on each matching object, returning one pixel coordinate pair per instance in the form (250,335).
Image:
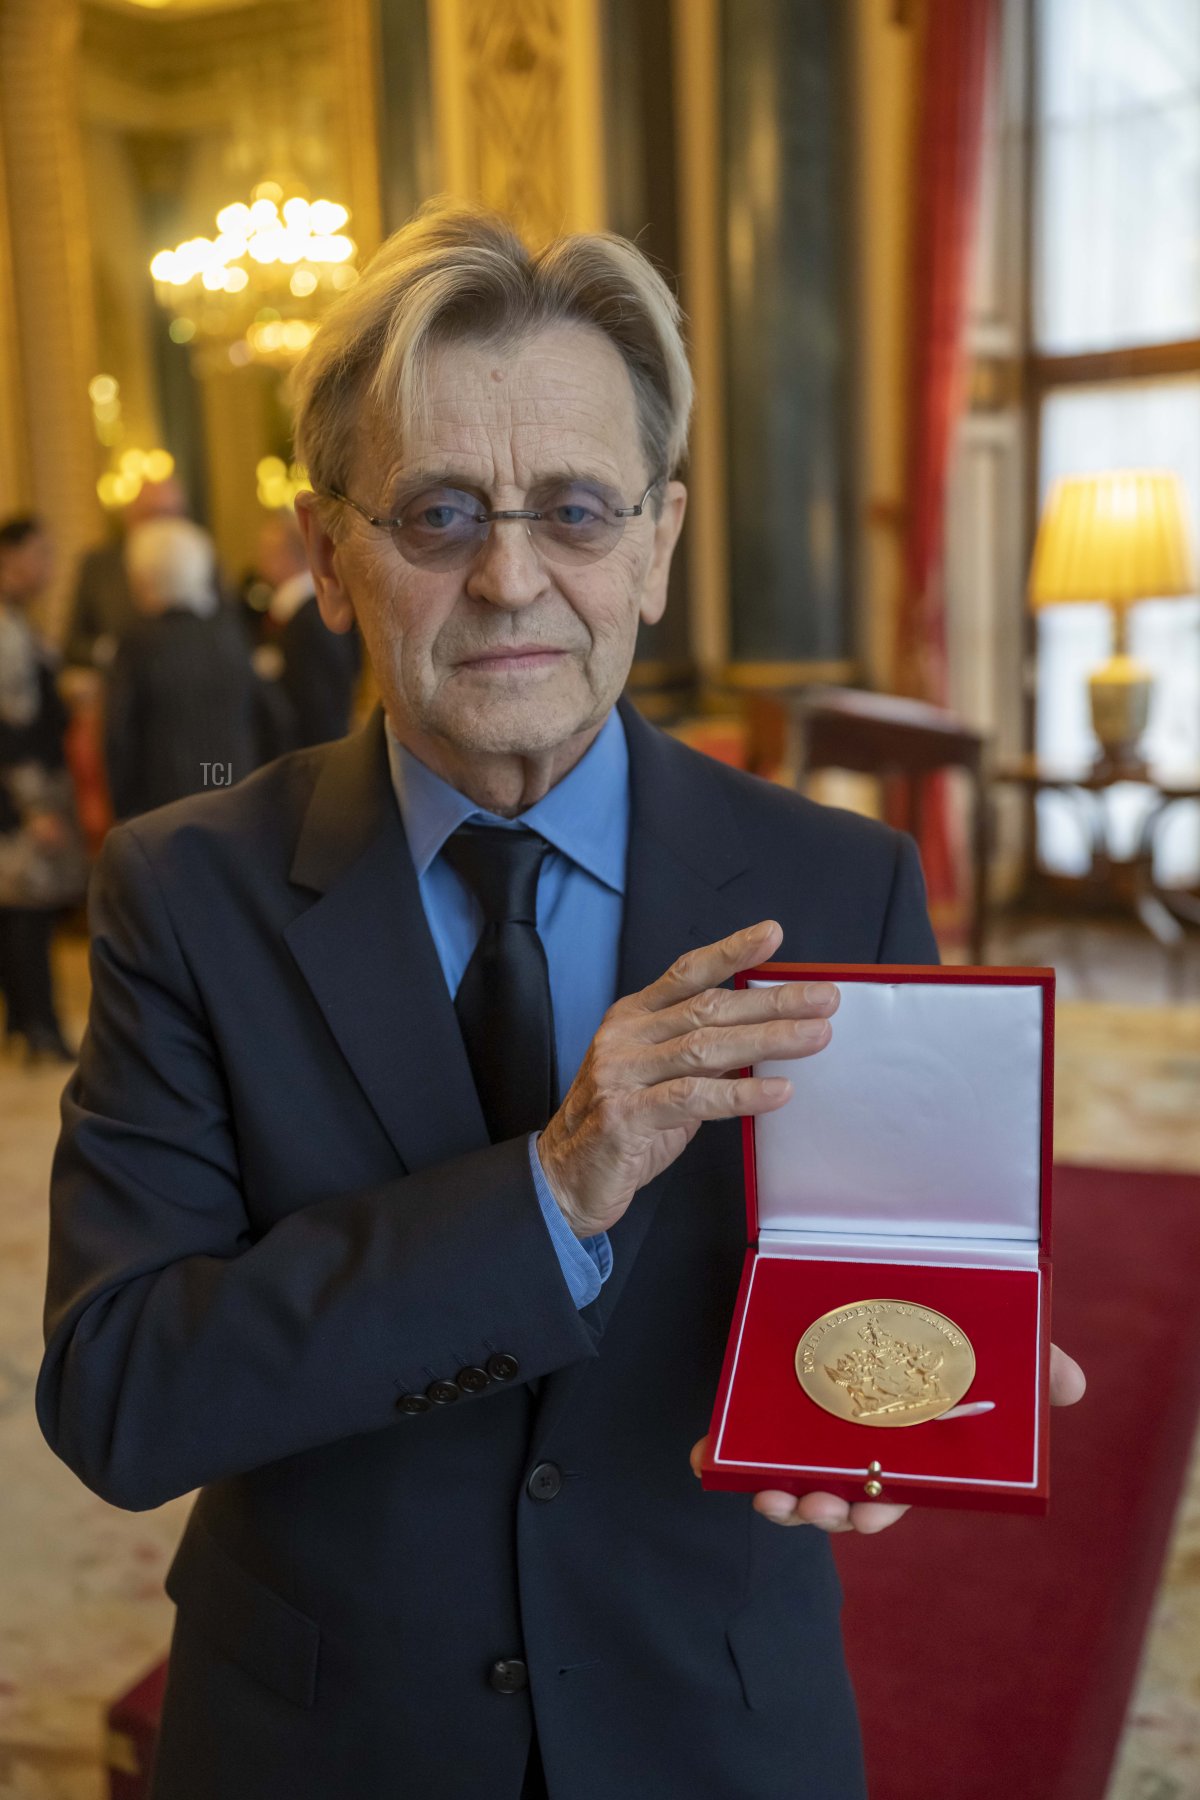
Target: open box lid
(928,1115)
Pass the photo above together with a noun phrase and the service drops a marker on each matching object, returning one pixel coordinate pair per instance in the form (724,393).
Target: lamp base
(1120,696)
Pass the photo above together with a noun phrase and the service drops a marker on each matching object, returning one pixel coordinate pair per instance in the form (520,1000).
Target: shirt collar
(585,816)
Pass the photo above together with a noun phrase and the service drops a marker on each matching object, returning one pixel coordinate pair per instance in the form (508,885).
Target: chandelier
(255,292)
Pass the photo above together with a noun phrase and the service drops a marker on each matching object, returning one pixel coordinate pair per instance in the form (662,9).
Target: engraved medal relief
(885,1362)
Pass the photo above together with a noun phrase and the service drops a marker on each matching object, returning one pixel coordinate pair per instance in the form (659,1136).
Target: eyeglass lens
(441,528)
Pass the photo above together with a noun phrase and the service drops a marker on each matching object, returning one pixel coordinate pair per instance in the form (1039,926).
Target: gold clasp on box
(873,1486)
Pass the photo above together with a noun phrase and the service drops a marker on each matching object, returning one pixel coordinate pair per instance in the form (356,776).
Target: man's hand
(656,1069)
(828,1513)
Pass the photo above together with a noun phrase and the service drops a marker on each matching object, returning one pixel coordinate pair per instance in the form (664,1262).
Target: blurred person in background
(320,669)
(42,864)
(184,708)
(103,608)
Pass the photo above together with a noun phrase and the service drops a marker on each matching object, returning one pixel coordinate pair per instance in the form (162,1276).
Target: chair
(899,741)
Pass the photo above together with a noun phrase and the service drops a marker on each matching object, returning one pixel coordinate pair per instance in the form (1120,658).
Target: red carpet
(994,1657)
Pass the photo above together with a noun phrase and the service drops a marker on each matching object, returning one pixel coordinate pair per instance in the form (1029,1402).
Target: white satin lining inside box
(942,1253)
(921,1119)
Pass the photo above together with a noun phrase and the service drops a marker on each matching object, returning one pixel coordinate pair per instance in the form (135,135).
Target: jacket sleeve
(907,935)
(183,1347)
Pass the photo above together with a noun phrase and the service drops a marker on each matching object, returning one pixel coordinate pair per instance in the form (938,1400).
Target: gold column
(518,109)
(356,49)
(48,226)
(14,447)
(697,108)
(884,82)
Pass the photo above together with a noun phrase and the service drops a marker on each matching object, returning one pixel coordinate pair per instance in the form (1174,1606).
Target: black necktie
(503,1001)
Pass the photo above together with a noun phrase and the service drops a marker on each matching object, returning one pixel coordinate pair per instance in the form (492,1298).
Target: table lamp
(1118,537)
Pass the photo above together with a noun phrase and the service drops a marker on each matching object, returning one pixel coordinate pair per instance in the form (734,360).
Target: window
(1116,365)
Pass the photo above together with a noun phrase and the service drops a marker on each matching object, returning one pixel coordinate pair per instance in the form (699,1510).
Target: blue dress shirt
(580,904)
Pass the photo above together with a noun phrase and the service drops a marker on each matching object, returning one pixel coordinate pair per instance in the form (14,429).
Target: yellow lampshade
(1120,537)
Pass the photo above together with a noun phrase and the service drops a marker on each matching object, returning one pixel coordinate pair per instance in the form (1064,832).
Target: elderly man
(399,1204)
(183,706)
(103,606)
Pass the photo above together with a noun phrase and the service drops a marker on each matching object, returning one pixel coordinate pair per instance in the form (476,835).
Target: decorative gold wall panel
(39,117)
(697,110)
(517,93)
(14,446)
(357,57)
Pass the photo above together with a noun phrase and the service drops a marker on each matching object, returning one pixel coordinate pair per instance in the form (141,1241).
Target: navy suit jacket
(276,1213)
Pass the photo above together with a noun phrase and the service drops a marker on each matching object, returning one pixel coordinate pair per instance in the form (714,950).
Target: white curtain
(1118,265)
(1118,220)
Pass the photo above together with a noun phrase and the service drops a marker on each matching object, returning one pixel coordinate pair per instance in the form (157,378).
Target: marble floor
(82,1611)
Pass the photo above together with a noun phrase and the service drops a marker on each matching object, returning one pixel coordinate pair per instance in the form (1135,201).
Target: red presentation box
(912,1163)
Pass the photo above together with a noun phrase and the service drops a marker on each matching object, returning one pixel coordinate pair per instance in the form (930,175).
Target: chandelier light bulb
(326,216)
(235,219)
(288,250)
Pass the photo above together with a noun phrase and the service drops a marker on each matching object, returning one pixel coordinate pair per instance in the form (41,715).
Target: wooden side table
(1124,884)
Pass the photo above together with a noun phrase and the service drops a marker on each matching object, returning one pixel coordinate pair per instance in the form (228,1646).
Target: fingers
(710,1029)
(714,1050)
(687,1098)
(827,1512)
(1068,1383)
(720,1009)
(712,964)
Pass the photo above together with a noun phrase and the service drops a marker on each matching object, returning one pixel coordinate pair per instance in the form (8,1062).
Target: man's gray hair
(460,272)
(172,562)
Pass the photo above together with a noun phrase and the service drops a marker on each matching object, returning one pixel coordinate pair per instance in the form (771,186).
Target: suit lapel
(365,949)
(685,850)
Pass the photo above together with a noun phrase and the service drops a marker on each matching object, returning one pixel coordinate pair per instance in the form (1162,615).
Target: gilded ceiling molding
(517,98)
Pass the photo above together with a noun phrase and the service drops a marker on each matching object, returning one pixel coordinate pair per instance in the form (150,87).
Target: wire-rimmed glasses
(442,527)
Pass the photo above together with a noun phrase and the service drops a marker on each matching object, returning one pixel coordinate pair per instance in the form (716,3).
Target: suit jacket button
(509,1675)
(472,1380)
(502,1367)
(545,1483)
(412,1403)
(442,1393)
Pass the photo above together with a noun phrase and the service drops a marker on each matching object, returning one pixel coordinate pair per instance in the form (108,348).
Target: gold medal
(885,1362)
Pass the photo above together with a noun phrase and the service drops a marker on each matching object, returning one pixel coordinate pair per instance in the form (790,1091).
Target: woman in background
(184,709)
(42,864)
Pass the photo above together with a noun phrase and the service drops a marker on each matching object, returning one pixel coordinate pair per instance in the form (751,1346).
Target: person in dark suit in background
(399,1204)
(184,708)
(102,605)
(320,668)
